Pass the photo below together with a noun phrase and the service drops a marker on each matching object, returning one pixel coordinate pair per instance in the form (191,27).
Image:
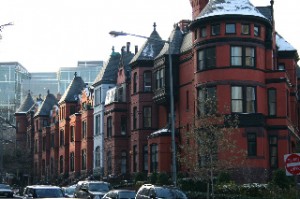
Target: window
(203,32)
(52,140)
(134,117)
(242,56)
(36,146)
(97,96)
(206,58)
(123,162)
(83,159)
(196,34)
(44,143)
(154,157)
(281,67)
(273,147)
(215,29)
(123,125)
(272,101)
(147,117)
(145,158)
(187,105)
(97,157)
(72,134)
(97,125)
(120,94)
(135,159)
(245,29)
(72,110)
(252,144)
(51,165)
(45,123)
(61,138)
(72,161)
(109,162)
(109,127)
(230,28)
(243,99)
(135,82)
(147,81)
(159,79)
(256,30)
(61,164)
(83,135)
(207,103)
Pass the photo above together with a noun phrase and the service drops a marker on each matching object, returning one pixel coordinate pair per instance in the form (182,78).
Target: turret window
(243,99)
(215,29)
(245,29)
(147,81)
(203,32)
(242,56)
(206,58)
(230,28)
(256,30)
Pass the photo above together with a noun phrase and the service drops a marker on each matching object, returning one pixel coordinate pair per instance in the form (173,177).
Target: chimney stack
(197,6)
(128,47)
(136,49)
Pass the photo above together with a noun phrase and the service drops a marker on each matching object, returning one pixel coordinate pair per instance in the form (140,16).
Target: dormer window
(230,28)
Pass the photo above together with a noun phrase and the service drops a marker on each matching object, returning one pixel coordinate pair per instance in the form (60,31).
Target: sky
(49,34)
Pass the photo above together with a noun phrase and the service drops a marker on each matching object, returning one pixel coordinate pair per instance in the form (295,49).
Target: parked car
(120,194)
(43,191)
(69,191)
(147,191)
(6,191)
(91,189)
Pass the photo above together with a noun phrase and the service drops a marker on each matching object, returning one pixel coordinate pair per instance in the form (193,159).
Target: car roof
(43,186)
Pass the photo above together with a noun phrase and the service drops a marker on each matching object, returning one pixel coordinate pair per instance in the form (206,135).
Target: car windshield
(169,193)
(49,193)
(126,195)
(69,190)
(98,187)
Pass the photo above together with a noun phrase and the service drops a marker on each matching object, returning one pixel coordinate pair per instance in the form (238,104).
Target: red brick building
(230,48)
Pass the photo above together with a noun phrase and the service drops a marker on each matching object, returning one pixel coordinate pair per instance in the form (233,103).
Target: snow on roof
(282,44)
(229,7)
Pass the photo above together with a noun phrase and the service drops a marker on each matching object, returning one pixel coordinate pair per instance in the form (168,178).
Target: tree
(211,147)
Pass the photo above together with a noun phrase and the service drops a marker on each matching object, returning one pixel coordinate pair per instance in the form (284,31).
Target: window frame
(230,28)
(203,32)
(242,57)
(147,81)
(252,144)
(243,99)
(256,30)
(242,29)
(272,102)
(147,116)
(109,127)
(208,58)
(135,83)
(205,93)
(215,29)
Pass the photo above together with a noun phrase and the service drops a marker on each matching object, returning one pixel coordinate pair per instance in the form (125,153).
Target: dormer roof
(47,105)
(74,90)
(151,48)
(26,105)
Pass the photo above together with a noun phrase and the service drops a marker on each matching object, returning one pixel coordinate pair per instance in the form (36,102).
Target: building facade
(121,125)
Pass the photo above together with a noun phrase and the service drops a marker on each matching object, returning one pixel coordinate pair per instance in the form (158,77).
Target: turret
(197,6)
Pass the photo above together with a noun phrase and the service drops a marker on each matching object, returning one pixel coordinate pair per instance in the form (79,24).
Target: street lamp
(3,25)
(172,115)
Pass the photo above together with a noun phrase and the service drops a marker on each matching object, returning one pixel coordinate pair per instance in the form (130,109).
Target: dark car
(120,194)
(147,191)
(91,189)
(43,191)
(6,191)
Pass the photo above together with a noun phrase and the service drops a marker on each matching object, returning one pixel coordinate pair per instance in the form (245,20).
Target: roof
(74,90)
(229,7)
(282,44)
(26,105)
(46,106)
(175,38)
(187,42)
(108,73)
(151,48)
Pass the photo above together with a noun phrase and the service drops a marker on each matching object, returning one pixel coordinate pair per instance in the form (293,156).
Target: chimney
(136,49)
(197,6)
(184,25)
(128,47)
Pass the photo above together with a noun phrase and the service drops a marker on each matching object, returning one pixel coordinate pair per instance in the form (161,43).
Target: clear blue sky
(48,34)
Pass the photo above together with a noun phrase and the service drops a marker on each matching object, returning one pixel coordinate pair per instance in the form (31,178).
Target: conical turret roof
(47,105)
(27,104)
(229,7)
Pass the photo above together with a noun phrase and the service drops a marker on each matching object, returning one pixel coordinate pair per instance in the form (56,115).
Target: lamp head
(117,33)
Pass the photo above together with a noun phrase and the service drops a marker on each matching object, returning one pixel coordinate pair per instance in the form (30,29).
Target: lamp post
(3,25)
(172,115)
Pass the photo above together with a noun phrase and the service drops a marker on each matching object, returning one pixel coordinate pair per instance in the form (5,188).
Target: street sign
(292,164)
